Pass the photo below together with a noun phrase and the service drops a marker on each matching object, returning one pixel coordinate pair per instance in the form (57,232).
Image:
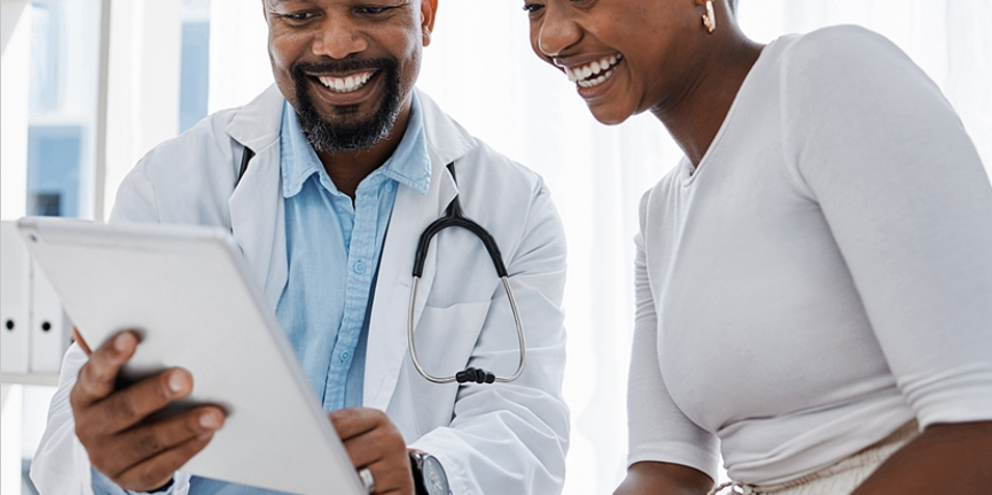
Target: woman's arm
(668,452)
(945,458)
(661,477)
(908,201)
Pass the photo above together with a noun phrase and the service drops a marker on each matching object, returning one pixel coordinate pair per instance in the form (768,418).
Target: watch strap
(417,468)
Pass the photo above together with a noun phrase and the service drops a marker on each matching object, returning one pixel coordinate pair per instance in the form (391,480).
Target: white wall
(143,92)
(239,61)
(15,62)
(11,413)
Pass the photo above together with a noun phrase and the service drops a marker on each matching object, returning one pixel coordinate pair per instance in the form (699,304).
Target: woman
(814,280)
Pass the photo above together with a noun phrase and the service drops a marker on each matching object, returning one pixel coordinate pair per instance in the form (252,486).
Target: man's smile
(346,84)
(345,88)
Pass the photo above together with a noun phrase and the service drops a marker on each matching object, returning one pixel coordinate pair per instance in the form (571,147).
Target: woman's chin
(609,114)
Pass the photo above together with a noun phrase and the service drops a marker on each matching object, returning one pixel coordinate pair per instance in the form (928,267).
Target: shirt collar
(410,164)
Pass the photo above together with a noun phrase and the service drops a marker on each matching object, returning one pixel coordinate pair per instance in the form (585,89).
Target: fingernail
(123,341)
(210,421)
(178,382)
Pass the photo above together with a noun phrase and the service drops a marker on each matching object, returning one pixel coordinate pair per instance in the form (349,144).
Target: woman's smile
(594,73)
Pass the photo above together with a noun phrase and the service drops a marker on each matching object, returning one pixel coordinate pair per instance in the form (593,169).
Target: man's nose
(558,31)
(338,38)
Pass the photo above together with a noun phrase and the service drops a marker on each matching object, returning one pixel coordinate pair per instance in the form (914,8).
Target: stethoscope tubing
(454,217)
(449,379)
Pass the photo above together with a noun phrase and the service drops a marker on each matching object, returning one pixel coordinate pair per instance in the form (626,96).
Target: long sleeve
(61,465)
(658,431)
(909,204)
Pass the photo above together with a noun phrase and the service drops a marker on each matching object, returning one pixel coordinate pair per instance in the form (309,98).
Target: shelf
(51,380)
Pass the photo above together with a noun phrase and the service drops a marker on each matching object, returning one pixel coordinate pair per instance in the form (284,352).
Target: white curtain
(480,68)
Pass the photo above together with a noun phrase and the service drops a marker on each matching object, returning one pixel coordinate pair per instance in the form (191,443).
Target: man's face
(347,66)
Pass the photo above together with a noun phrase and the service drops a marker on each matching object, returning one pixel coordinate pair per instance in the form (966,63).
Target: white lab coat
(503,438)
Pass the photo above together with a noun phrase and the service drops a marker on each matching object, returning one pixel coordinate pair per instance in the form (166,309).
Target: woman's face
(625,56)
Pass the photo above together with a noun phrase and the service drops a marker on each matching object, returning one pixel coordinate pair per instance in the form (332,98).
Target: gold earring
(709,20)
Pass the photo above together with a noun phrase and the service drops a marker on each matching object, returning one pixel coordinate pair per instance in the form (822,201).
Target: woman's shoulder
(833,41)
(835,72)
(837,53)
(839,35)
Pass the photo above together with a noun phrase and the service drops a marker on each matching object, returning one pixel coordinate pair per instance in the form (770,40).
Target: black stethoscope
(453,217)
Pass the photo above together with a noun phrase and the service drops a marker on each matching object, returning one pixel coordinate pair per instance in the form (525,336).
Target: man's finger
(355,421)
(365,449)
(390,479)
(373,446)
(145,442)
(155,472)
(97,377)
(128,407)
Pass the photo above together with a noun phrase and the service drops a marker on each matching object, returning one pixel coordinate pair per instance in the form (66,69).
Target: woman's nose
(558,31)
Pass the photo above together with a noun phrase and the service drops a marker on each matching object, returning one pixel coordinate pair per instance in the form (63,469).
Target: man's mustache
(301,69)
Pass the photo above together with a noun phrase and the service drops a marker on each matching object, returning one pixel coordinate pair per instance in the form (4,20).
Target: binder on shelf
(51,331)
(15,301)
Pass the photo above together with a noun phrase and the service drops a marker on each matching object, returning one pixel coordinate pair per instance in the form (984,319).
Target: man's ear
(428,11)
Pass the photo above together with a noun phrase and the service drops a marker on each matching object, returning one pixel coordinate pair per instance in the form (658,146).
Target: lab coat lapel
(256,205)
(412,213)
(387,345)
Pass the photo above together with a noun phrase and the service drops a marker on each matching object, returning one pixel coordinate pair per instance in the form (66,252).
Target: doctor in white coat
(502,438)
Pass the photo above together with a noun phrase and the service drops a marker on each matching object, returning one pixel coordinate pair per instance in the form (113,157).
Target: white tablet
(188,292)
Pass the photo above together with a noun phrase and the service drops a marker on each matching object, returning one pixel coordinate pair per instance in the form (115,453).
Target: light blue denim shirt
(333,248)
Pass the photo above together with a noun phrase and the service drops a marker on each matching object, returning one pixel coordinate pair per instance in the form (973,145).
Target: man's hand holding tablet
(110,423)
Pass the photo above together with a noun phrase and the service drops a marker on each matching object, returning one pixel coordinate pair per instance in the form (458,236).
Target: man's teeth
(345,84)
(595,73)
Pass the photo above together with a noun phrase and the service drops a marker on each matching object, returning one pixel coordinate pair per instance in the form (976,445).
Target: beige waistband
(857,466)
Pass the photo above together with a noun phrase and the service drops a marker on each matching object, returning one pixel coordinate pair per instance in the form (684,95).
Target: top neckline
(687,171)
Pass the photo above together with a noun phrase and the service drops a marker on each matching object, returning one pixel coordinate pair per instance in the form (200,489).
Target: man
(341,150)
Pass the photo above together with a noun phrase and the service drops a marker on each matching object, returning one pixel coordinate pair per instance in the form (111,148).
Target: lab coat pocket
(445,339)
(446,336)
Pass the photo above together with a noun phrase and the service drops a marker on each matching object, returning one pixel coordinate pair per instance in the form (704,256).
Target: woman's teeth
(595,73)
(345,84)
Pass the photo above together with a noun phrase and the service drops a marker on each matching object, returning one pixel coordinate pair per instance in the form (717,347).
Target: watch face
(434,479)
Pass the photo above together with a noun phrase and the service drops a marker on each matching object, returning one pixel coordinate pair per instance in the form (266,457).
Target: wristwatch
(428,475)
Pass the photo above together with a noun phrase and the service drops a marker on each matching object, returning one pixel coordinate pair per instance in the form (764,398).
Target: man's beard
(350,134)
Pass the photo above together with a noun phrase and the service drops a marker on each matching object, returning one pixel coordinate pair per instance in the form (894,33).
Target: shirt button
(344,356)
(389,187)
(358,267)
